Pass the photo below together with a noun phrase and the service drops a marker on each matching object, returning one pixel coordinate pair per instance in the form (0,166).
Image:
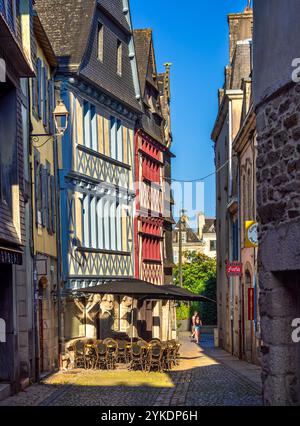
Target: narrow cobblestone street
(205,376)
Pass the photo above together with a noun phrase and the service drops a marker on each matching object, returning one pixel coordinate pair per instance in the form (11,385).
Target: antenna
(248,5)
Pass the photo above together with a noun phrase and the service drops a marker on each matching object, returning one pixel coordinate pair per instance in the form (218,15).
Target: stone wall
(278,203)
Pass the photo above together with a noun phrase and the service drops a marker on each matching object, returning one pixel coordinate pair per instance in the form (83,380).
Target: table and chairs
(139,355)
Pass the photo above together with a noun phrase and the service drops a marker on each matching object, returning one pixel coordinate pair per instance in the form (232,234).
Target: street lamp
(61,118)
(61,121)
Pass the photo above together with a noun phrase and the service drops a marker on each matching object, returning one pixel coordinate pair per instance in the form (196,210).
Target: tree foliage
(199,276)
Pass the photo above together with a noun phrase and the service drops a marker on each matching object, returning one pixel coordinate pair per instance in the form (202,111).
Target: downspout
(231,280)
(58,248)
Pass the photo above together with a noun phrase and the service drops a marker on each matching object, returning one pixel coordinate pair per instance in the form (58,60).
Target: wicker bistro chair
(123,356)
(79,354)
(137,359)
(169,357)
(155,357)
(112,349)
(101,355)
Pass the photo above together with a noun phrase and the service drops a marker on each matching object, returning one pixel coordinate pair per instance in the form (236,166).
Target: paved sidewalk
(205,376)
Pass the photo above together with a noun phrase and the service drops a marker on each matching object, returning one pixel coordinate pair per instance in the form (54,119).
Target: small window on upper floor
(119,57)
(100,45)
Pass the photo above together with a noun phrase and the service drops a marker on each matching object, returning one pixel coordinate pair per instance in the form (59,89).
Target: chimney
(201,223)
(240,28)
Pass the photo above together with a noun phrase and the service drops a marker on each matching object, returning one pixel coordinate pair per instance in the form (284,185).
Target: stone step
(5,391)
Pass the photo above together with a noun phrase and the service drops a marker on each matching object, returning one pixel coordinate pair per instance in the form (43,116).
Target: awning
(139,289)
(10,256)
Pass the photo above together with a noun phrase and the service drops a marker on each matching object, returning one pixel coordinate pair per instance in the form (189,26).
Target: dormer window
(100,46)
(119,57)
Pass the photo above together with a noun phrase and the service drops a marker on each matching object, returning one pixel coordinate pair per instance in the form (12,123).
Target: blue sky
(193,35)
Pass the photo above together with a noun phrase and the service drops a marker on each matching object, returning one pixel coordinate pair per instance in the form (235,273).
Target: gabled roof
(71,26)
(43,40)
(152,119)
(191,236)
(209,226)
(144,48)
(68,25)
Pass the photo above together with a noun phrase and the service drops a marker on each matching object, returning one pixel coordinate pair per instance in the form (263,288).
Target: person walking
(193,324)
(198,325)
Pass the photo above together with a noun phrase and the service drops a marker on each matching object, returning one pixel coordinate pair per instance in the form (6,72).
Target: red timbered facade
(149,213)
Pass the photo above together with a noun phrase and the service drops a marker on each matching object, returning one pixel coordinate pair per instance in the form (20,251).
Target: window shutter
(44,196)
(36,186)
(45,96)
(51,105)
(53,205)
(48,199)
(39,88)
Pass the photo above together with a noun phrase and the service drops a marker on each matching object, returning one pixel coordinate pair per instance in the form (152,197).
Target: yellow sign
(251,239)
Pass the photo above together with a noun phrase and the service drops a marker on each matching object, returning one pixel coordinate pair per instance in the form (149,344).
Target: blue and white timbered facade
(97,188)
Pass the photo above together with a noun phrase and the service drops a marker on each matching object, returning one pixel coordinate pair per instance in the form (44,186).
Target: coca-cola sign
(234,269)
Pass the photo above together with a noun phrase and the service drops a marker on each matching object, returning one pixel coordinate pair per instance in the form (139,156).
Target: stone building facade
(201,240)
(276,102)
(226,128)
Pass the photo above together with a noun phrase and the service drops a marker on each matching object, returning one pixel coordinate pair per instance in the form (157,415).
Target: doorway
(6,313)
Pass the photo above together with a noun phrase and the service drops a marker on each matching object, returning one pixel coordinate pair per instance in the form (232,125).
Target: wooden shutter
(36,186)
(39,88)
(44,196)
(51,104)
(45,97)
(53,204)
(48,199)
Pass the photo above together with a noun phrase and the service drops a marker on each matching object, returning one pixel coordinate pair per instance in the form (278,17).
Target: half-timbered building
(150,146)
(98,82)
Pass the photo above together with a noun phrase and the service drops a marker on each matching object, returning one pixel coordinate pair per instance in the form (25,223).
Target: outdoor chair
(89,354)
(101,355)
(137,357)
(169,358)
(155,341)
(112,349)
(79,354)
(154,359)
(122,352)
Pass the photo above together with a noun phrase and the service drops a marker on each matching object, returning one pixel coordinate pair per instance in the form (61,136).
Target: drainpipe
(231,280)
(58,247)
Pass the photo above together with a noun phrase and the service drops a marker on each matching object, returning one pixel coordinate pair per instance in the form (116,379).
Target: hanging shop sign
(234,269)
(10,256)
(251,304)
(251,239)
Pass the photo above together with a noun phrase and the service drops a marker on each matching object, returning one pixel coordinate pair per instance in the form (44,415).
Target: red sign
(251,304)
(234,269)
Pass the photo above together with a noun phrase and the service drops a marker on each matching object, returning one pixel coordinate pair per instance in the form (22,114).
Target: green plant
(183,312)
(198,276)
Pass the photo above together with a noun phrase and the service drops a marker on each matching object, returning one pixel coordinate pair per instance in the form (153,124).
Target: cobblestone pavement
(201,379)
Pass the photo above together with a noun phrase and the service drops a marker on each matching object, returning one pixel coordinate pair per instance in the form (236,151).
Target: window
(45,97)
(39,88)
(119,57)
(213,245)
(100,43)
(183,237)
(116,139)
(103,224)
(90,135)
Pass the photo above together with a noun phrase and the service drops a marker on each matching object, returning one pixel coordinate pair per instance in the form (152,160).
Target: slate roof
(72,27)
(191,236)
(68,25)
(152,119)
(142,41)
(209,227)
(115,9)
